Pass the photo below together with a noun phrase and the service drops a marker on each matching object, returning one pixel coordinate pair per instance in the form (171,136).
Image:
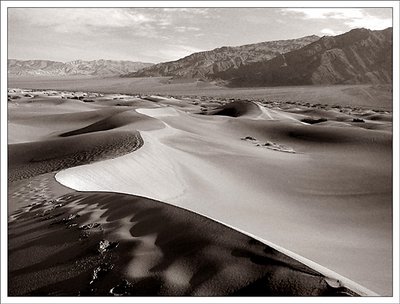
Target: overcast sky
(163,34)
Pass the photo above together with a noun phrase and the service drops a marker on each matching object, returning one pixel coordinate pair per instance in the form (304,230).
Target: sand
(328,200)
(114,244)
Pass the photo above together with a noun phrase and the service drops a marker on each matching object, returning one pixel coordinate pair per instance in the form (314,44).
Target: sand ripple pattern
(75,152)
(162,250)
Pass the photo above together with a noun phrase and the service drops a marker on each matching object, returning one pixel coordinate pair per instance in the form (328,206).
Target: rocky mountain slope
(97,68)
(358,56)
(204,64)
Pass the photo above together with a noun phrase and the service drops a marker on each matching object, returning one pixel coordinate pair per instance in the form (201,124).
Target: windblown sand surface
(314,179)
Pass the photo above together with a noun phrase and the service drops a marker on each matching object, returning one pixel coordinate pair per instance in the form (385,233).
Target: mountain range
(358,56)
(204,64)
(97,68)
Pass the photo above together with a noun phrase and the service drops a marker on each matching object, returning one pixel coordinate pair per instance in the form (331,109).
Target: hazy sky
(163,34)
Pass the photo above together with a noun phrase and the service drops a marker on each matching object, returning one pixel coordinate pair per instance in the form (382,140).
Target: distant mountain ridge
(358,56)
(97,68)
(204,64)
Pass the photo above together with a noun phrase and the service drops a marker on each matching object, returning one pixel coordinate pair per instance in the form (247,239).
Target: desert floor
(235,193)
(367,96)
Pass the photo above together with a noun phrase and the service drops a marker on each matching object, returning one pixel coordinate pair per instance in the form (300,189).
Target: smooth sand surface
(328,200)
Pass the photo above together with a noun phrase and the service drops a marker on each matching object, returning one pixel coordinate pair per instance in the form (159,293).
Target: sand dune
(31,159)
(36,149)
(238,109)
(196,161)
(157,250)
(319,201)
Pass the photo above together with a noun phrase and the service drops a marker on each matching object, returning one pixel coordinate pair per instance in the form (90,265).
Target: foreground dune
(157,250)
(328,200)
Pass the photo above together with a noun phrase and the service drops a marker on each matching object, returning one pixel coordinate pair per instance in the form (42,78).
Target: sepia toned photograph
(175,151)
